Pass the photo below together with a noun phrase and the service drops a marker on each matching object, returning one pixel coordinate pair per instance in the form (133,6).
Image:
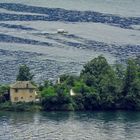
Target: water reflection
(56,116)
(70,125)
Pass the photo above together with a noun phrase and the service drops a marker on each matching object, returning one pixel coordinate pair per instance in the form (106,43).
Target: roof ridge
(23,85)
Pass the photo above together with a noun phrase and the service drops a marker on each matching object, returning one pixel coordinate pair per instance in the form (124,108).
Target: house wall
(22,95)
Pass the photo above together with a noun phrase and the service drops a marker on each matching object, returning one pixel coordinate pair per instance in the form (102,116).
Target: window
(16,98)
(16,90)
(27,85)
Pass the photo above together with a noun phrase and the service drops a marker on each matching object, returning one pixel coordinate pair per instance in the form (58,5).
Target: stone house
(22,91)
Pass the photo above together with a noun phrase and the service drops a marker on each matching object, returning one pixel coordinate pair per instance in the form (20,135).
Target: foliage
(131,90)
(24,74)
(20,106)
(4,93)
(99,86)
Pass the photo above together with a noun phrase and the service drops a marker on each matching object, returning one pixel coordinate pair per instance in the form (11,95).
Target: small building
(22,91)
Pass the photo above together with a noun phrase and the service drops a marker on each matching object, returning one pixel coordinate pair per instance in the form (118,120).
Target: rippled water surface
(28,35)
(70,126)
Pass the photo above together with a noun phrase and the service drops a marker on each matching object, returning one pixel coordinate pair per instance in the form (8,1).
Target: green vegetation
(99,86)
(24,74)
(4,93)
(20,106)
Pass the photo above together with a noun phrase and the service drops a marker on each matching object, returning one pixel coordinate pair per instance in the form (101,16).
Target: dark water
(70,126)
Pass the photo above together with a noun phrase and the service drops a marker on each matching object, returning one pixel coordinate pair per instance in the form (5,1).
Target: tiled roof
(23,85)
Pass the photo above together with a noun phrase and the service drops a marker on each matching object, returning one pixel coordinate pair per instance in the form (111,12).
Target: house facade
(22,91)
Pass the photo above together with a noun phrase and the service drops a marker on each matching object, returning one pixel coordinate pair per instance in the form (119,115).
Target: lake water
(70,126)
(28,35)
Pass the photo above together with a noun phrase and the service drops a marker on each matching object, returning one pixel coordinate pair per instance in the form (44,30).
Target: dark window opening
(27,85)
(16,98)
(16,90)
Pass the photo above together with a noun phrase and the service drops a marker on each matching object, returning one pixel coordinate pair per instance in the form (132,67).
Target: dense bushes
(20,106)
(99,86)
(4,93)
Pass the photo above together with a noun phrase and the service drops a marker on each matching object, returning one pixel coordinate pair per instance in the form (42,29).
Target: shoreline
(35,107)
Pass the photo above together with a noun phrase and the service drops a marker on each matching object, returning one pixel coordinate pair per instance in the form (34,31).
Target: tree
(24,74)
(100,75)
(94,71)
(99,86)
(68,79)
(131,91)
(130,75)
(81,87)
(4,93)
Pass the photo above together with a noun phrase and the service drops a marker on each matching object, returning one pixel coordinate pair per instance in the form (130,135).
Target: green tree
(91,101)
(94,71)
(101,76)
(130,75)
(132,85)
(24,74)
(3,92)
(81,87)
(99,86)
(48,91)
(68,79)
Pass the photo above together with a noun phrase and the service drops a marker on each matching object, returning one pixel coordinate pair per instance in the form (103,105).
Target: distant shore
(100,86)
(35,107)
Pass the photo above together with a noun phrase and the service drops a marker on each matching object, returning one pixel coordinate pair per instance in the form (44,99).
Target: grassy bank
(8,106)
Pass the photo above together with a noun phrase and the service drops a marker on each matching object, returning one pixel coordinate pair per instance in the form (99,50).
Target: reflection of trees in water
(119,124)
(105,116)
(17,117)
(56,116)
(33,117)
(104,124)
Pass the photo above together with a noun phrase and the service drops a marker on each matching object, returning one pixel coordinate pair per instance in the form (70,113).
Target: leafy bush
(99,86)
